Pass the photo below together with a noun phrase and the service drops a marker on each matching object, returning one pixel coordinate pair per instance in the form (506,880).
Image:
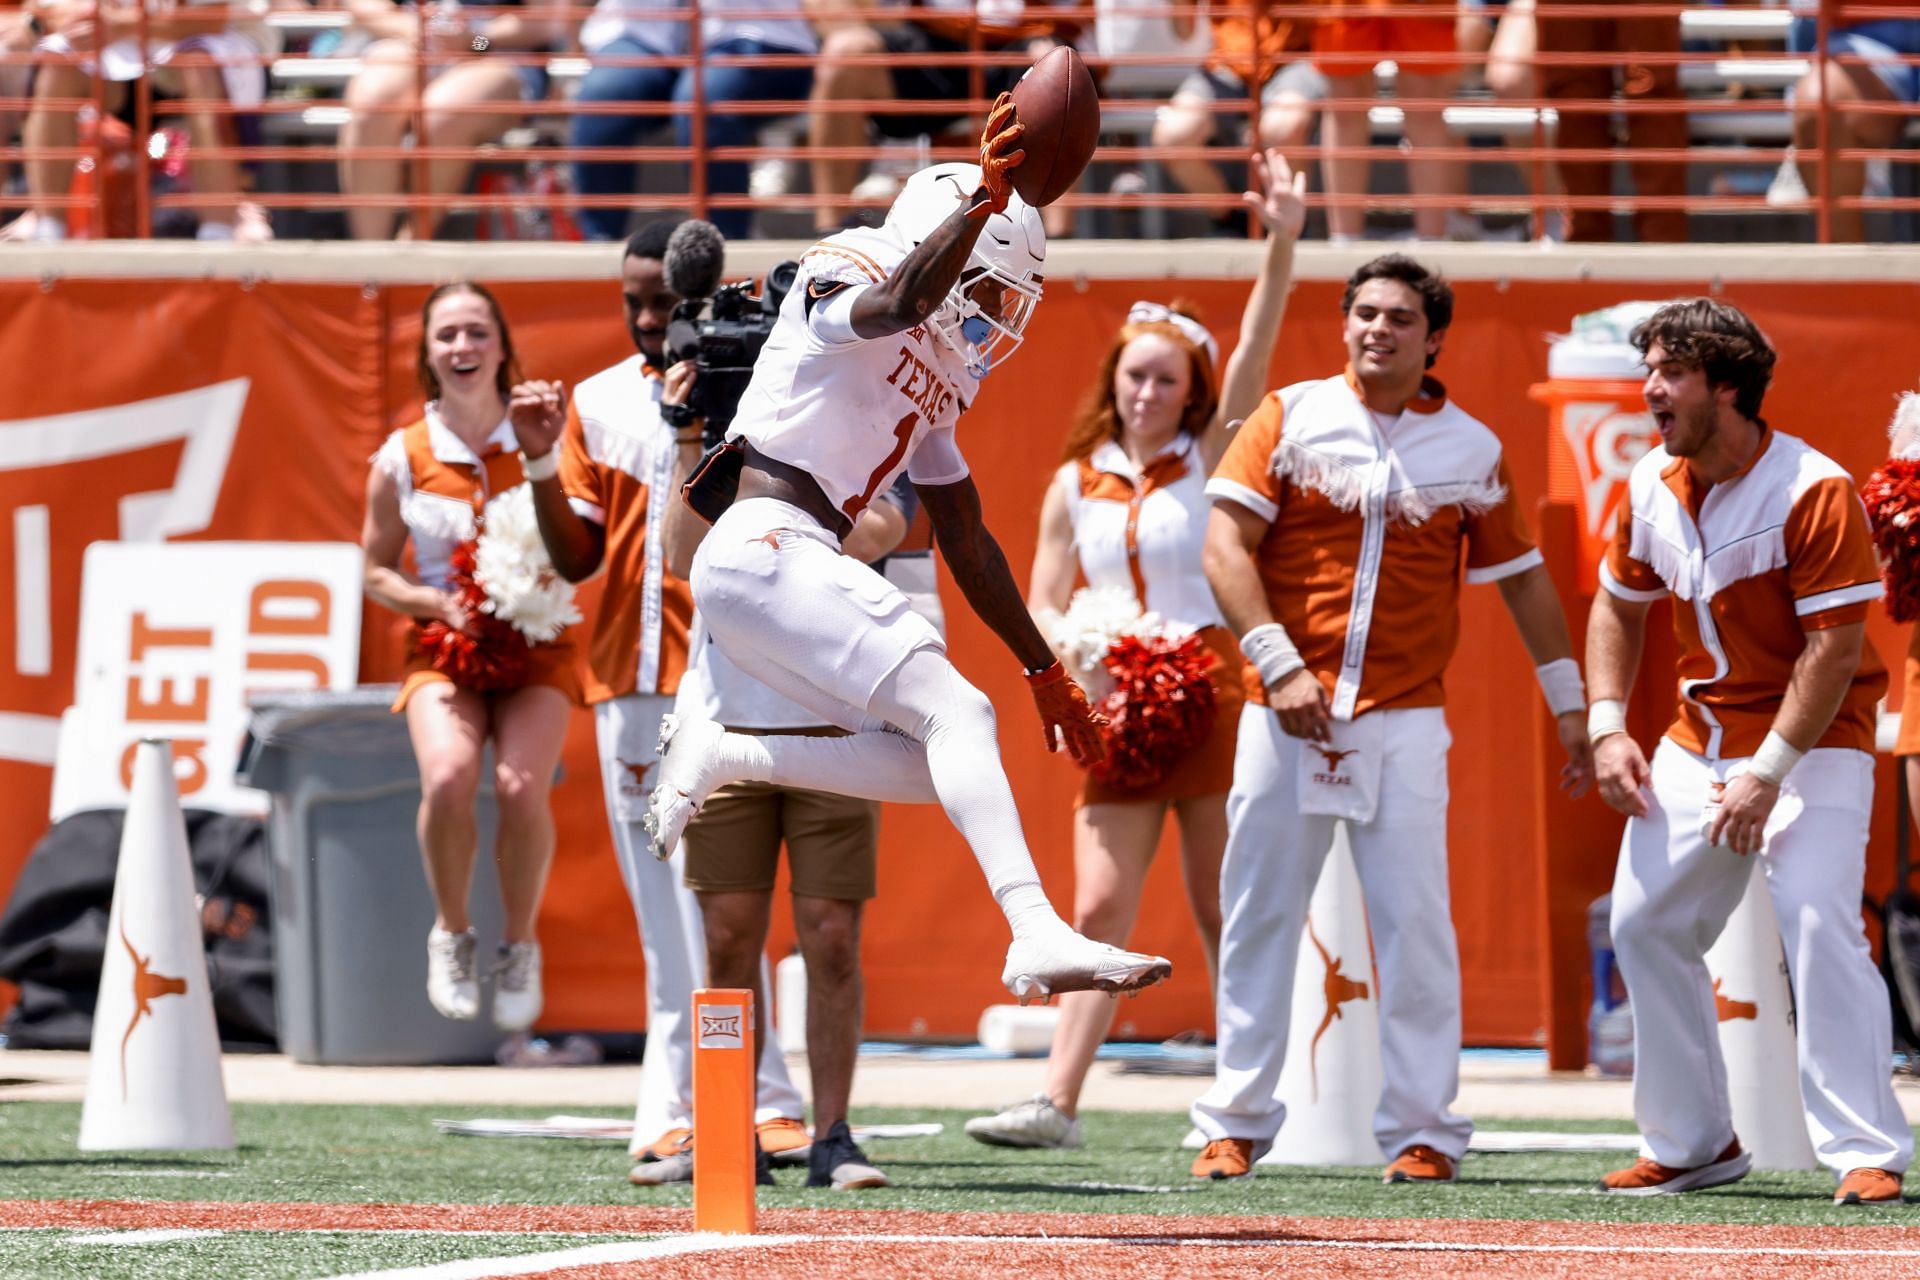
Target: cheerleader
(472,674)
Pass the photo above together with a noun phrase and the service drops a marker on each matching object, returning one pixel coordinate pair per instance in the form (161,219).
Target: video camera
(723,335)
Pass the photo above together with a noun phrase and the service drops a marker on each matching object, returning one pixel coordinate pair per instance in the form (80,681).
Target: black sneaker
(837,1161)
(762,1167)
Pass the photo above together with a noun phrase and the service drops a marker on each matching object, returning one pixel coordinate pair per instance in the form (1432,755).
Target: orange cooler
(1598,421)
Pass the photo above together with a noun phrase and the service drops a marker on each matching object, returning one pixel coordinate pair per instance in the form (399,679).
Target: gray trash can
(351,908)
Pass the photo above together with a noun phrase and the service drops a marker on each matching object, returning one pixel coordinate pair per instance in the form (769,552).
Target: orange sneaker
(1651,1178)
(670,1143)
(1421,1163)
(785,1140)
(1226,1158)
(1869,1187)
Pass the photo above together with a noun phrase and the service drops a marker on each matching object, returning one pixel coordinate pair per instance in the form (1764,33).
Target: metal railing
(1739,121)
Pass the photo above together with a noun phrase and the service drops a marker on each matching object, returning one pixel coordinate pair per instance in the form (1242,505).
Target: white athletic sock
(954,725)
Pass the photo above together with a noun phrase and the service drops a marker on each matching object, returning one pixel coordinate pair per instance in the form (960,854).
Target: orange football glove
(1066,715)
(998,155)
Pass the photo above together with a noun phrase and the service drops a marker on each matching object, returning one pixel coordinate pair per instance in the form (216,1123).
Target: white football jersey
(855,413)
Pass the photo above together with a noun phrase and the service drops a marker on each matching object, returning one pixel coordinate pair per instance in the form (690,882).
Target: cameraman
(598,466)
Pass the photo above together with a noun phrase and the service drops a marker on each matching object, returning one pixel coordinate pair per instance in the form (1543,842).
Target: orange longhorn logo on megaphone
(148,986)
(1340,989)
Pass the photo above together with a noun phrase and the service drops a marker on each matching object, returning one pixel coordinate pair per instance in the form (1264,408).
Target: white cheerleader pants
(1672,894)
(1273,859)
(672,936)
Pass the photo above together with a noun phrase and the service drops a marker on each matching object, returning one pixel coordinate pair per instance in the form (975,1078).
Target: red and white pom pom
(1892,497)
(1161,707)
(512,568)
(486,655)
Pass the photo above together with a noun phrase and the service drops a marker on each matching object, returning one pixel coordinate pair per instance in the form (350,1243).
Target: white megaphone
(153,1077)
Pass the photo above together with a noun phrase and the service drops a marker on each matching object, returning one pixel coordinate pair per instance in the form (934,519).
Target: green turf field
(1131,1163)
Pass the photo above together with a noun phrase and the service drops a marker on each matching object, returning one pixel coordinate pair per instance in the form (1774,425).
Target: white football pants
(672,936)
(1273,859)
(1672,894)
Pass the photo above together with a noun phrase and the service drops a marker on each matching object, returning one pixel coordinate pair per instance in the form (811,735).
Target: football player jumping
(870,364)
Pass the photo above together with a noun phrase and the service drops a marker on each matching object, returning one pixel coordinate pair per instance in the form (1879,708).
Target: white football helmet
(985,315)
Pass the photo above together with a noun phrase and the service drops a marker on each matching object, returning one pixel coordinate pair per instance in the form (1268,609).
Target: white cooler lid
(1599,345)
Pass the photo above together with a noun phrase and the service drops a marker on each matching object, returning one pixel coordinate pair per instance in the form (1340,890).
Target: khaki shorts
(733,844)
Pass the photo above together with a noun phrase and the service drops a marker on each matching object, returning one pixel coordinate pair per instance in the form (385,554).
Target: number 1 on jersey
(902,434)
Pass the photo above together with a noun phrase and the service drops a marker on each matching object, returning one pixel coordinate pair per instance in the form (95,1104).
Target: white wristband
(544,467)
(1606,718)
(1775,759)
(1270,649)
(1560,681)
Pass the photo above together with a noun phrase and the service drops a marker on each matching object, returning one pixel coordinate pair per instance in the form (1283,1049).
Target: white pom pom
(1095,618)
(511,566)
(1904,431)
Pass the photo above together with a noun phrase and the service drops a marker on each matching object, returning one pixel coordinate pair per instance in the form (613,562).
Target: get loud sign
(174,640)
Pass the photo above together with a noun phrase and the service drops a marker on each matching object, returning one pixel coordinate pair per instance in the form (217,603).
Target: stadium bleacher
(1736,76)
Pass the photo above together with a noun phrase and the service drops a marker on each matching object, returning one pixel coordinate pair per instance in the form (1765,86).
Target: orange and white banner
(173,642)
(189,411)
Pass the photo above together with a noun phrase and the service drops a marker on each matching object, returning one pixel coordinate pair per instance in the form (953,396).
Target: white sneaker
(1033,1123)
(516,986)
(686,780)
(451,986)
(1061,960)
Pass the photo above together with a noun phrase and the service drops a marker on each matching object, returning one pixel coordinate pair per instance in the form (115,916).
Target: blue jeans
(661,84)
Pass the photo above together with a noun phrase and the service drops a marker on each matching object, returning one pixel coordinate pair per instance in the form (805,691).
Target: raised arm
(1278,198)
(538,411)
(924,278)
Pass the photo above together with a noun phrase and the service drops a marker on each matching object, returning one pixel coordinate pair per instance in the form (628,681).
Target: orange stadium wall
(330,368)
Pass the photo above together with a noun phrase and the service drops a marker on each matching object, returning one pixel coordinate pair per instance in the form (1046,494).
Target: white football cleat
(686,759)
(1062,960)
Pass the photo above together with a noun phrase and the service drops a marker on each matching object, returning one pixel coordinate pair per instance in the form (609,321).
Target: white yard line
(682,1246)
(148,1235)
(589,1256)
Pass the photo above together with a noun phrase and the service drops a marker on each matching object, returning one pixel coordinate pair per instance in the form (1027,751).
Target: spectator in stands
(74,29)
(469,678)
(1290,85)
(632,29)
(16,73)
(1610,41)
(1346,46)
(1504,33)
(1884,78)
(471,62)
(926,27)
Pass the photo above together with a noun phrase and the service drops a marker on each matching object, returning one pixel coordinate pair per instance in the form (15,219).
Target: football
(1056,103)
